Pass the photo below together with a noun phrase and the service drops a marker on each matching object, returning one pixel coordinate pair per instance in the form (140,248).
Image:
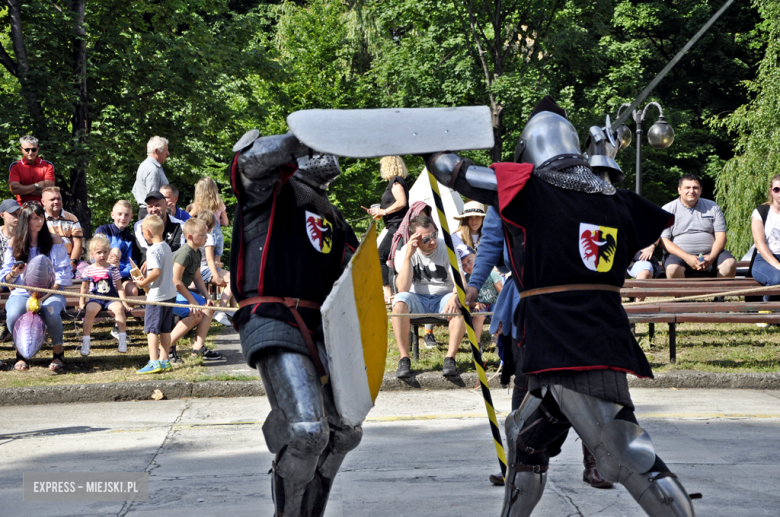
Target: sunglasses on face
(30,150)
(776,190)
(426,240)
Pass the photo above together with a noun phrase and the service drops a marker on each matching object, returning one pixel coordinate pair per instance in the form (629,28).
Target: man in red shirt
(30,175)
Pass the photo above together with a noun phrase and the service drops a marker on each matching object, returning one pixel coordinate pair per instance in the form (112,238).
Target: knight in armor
(291,245)
(571,234)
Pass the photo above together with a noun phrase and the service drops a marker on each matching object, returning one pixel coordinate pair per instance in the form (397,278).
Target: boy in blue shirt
(120,237)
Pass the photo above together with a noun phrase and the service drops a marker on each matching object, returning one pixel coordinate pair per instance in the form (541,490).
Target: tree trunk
(39,126)
(74,197)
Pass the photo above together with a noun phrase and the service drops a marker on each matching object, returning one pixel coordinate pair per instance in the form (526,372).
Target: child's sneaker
(151,367)
(85,346)
(122,343)
(166,366)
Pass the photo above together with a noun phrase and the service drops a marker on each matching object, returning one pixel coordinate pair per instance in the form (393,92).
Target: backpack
(763,211)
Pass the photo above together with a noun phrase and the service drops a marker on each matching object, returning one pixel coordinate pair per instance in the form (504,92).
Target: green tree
(744,181)
(706,84)
(96,80)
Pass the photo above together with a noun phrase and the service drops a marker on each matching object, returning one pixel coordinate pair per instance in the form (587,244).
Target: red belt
(293,304)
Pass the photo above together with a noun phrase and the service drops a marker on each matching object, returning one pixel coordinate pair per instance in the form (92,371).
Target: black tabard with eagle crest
(302,256)
(562,237)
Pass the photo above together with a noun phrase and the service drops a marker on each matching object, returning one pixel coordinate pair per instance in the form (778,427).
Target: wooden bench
(697,311)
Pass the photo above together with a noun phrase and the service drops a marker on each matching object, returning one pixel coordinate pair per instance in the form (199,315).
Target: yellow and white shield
(355,327)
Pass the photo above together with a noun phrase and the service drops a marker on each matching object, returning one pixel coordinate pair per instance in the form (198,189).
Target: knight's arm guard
(268,153)
(474,182)
(258,166)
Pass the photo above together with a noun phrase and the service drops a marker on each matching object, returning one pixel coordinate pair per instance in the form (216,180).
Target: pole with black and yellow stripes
(477,355)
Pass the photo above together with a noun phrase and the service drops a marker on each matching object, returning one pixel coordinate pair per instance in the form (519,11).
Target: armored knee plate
(342,441)
(620,447)
(624,454)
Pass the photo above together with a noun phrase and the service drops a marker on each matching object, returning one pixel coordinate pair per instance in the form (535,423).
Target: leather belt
(570,287)
(293,304)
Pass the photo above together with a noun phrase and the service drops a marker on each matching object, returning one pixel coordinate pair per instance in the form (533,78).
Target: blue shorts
(184,312)
(423,303)
(103,303)
(157,319)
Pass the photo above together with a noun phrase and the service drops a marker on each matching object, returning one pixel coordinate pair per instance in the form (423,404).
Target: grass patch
(709,347)
(104,364)
(714,347)
(432,360)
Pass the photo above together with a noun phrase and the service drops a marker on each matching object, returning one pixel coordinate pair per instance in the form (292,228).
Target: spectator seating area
(72,305)
(699,311)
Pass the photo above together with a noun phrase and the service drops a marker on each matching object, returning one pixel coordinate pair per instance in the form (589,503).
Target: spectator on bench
(32,238)
(209,271)
(488,293)
(695,244)
(9,211)
(103,279)
(121,239)
(171,194)
(63,223)
(765,225)
(425,285)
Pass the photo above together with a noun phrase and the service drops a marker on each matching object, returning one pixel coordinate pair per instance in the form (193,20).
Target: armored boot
(524,484)
(625,453)
(318,490)
(591,473)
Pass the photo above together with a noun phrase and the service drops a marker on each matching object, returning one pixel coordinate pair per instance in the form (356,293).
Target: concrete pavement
(423,453)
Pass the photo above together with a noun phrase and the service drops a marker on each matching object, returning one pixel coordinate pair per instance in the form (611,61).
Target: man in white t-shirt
(425,285)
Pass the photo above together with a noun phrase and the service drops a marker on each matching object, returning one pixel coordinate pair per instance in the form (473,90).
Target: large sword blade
(398,131)
(650,87)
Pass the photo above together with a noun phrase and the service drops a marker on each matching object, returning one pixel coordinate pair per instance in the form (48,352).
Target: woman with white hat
(470,225)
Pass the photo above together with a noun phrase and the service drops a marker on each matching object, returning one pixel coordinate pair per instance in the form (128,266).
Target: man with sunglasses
(695,244)
(425,285)
(29,176)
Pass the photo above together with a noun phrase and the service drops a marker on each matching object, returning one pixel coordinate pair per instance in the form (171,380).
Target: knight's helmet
(603,145)
(548,134)
(318,170)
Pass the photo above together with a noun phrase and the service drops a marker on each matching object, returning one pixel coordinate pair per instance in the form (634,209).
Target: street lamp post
(660,135)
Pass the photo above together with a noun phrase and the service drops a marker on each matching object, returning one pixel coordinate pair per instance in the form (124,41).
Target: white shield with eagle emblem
(598,245)
(319,231)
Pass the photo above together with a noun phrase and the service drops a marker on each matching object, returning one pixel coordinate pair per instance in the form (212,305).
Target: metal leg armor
(304,432)
(524,484)
(625,453)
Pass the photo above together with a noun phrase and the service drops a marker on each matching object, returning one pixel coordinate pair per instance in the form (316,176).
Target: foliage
(202,72)
(174,68)
(744,181)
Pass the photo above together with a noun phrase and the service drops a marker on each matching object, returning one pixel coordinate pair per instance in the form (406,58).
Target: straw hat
(472,209)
